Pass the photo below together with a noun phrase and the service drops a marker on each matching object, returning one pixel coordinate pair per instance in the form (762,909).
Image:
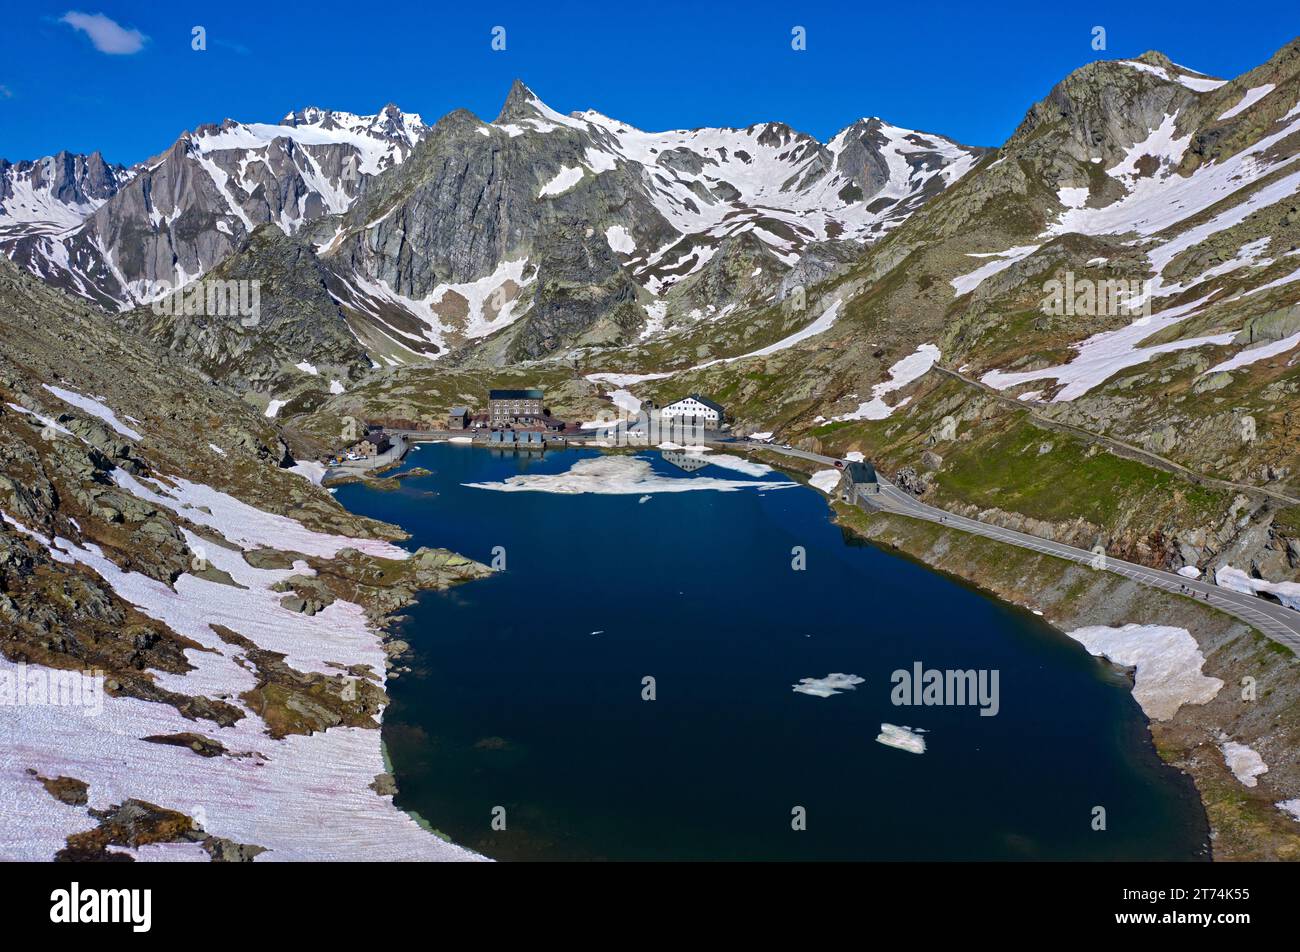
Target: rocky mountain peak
(522,103)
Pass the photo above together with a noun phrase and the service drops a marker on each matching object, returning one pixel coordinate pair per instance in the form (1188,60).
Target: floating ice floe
(1167,660)
(831,684)
(1244,762)
(902,738)
(620,475)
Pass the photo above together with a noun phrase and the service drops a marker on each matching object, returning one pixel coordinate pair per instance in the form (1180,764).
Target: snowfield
(305,797)
(1167,660)
(910,368)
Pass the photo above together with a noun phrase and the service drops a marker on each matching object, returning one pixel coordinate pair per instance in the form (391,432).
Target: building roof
(862,472)
(699,399)
(459,411)
(514,395)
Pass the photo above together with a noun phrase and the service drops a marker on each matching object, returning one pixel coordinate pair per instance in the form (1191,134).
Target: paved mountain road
(1279,623)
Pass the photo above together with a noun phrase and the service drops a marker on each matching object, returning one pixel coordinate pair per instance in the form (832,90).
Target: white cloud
(107,35)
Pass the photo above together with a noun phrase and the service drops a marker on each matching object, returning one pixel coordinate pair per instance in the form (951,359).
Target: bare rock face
(583,296)
(295,320)
(170,219)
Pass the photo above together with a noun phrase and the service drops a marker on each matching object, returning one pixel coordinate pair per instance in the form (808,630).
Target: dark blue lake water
(527,688)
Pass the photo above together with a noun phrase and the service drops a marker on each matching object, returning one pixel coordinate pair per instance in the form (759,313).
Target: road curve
(1277,622)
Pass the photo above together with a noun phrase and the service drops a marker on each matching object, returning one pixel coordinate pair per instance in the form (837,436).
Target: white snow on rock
(910,368)
(1189,571)
(1252,355)
(826,480)
(44,420)
(1155,202)
(1251,97)
(216,449)
(301,797)
(309,470)
(821,325)
(1001,261)
(1291,808)
(1197,82)
(1288,593)
(273,408)
(853,456)
(902,738)
(624,400)
(620,475)
(829,685)
(620,240)
(336,387)
(563,180)
(1167,660)
(246,525)
(307,368)
(1106,353)
(96,409)
(1245,763)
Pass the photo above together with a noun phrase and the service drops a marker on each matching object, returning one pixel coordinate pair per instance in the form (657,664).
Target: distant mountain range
(425,260)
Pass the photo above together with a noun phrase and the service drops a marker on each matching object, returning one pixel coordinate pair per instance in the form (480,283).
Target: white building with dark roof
(694,409)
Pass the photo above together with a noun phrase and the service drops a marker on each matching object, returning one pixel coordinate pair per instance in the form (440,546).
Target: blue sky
(966,70)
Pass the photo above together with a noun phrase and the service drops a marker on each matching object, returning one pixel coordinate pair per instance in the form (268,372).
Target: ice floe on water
(620,475)
(1167,663)
(902,737)
(831,684)
(1244,762)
